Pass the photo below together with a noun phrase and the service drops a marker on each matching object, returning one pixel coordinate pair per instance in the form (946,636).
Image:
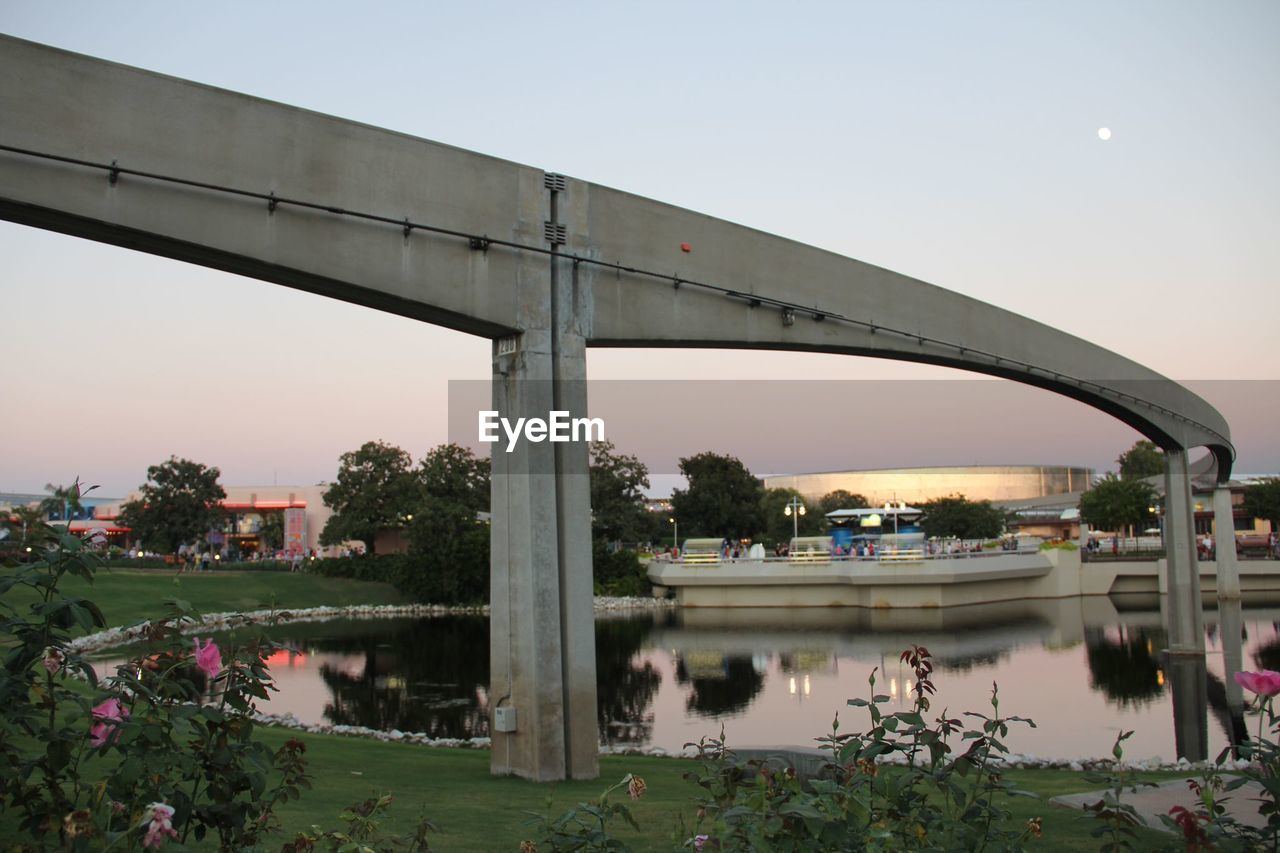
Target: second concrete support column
(1224,537)
(1186,616)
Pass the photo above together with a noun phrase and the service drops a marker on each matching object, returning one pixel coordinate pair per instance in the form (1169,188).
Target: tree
(778,526)
(448,545)
(1144,459)
(1114,503)
(455,475)
(177,504)
(1262,500)
(958,516)
(723,498)
(618,482)
(26,524)
(374,489)
(841,499)
(449,549)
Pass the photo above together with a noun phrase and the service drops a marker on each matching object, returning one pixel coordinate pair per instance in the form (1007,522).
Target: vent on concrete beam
(553,182)
(555,234)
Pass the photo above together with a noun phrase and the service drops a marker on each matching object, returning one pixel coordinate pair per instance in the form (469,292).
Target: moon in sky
(1104,133)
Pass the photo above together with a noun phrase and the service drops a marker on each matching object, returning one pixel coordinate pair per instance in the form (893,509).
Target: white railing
(889,555)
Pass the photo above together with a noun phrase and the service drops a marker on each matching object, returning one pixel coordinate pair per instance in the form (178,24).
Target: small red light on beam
(685,247)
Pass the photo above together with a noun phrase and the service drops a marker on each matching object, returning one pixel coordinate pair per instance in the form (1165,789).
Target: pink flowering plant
(1210,826)
(168,740)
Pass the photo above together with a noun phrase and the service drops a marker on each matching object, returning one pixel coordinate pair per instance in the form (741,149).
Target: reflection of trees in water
(423,676)
(1267,655)
(726,691)
(624,689)
(1126,669)
(429,675)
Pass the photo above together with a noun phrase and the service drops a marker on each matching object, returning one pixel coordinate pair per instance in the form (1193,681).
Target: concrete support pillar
(542,626)
(1224,537)
(1188,686)
(1231,629)
(1186,616)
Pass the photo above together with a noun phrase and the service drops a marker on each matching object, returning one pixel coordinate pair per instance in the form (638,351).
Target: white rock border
(221,621)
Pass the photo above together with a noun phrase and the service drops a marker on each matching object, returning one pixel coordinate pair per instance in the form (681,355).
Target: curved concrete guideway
(543,264)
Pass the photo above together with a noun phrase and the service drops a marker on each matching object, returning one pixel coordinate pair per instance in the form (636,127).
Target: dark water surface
(1083,669)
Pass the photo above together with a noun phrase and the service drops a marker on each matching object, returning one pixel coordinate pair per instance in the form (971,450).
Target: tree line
(439,501)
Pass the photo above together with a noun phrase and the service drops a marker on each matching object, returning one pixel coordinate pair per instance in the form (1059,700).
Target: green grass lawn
(475,811)
(129,596)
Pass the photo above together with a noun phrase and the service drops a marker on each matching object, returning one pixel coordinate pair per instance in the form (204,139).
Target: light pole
(1157,510)
(795,509)
(675,536)
(895,505)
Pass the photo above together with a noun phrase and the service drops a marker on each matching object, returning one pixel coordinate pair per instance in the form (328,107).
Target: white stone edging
(223,621)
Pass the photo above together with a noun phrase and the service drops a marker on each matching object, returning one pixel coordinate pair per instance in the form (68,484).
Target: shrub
(618,572)
(170,735)
(937,799)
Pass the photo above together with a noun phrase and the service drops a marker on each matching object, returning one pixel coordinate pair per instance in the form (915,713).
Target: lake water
(1083,669)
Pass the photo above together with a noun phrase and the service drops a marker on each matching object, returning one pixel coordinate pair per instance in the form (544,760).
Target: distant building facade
(253,515)
(920,485)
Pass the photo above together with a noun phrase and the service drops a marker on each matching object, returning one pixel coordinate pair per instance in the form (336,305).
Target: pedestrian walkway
(1152,802)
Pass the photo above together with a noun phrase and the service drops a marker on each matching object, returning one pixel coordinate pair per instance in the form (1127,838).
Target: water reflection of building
(720,684)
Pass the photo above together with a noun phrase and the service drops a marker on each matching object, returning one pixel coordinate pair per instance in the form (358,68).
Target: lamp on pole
(894,506)
(794,508)
(1158,511)
(675,536)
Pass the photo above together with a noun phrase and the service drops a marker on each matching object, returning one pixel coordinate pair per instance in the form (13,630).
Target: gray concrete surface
(1150,803)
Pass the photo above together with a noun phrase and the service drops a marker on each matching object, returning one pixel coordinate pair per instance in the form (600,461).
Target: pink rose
(107,717)
(208,657)
(1265,683)
(160,826)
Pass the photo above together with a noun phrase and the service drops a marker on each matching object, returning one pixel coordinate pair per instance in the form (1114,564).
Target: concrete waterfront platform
(1157,800)
(932,582)
(863,583)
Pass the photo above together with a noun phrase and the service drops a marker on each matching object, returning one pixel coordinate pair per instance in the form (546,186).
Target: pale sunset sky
(955,142)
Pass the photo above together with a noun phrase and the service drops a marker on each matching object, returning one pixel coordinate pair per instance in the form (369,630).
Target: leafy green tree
(177,504)
(841,499)
(1262,500)
(1144,459)
(26,524)
(723,498)
(618,482)
(1114,503)
(455,475)
(448,545)
(449,549)
(958,516)
(374,489)
(778,526)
